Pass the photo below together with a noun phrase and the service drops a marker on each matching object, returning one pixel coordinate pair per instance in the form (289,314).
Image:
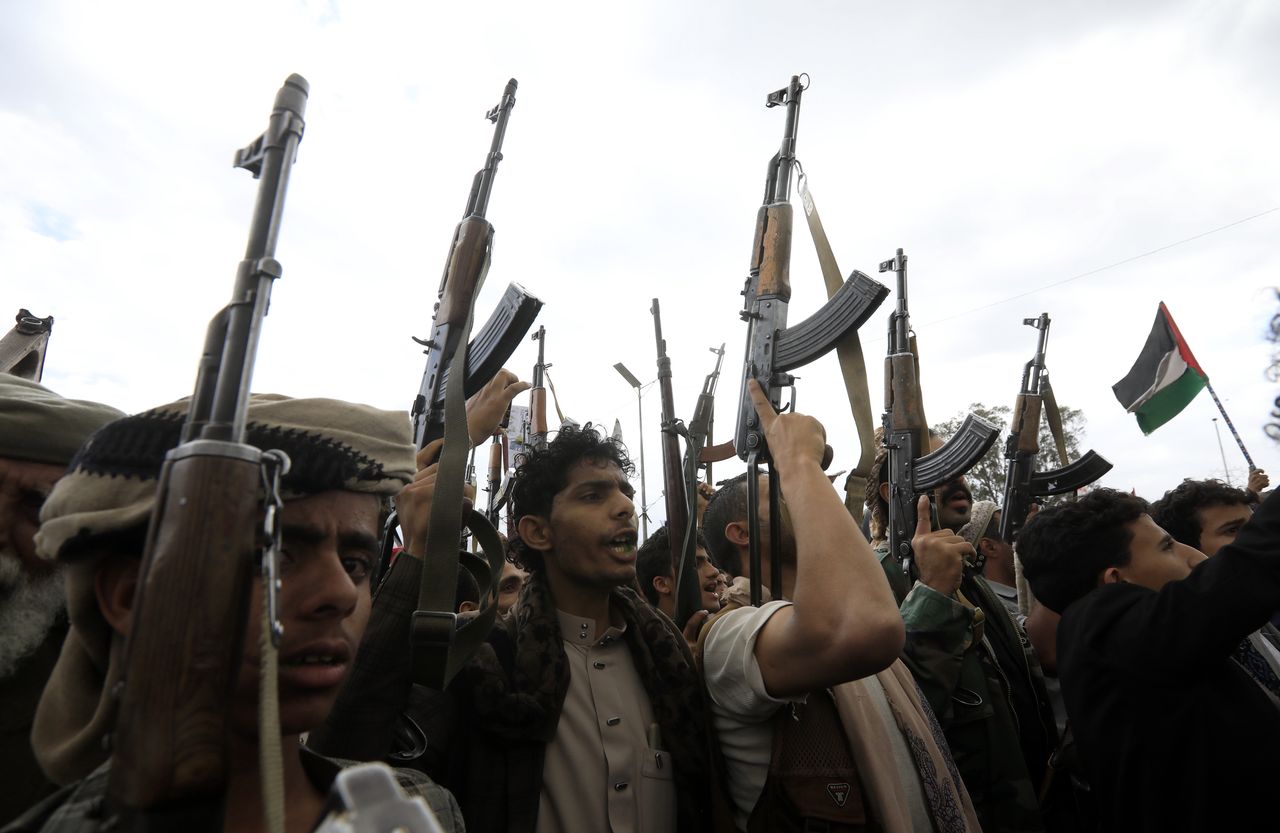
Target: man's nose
(625,506)
(327,588)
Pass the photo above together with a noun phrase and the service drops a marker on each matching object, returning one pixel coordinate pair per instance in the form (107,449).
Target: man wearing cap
(995,555)
(347,461)
(39,433)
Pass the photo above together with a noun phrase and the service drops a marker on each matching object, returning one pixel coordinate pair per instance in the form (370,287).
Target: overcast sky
(1006,146)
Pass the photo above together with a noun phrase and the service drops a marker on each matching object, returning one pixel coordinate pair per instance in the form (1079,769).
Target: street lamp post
(635,383)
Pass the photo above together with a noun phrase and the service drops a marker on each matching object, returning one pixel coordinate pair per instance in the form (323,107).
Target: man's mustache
(951,490)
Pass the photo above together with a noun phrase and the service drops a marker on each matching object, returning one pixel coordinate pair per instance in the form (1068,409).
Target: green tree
(986,479)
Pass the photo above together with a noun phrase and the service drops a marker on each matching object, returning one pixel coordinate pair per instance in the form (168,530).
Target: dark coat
(24,782)
(1173,734)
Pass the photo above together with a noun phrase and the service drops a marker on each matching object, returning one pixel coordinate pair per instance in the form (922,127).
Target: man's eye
(359,567)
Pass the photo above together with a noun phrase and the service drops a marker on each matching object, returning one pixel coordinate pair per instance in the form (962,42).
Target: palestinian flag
(1164,379)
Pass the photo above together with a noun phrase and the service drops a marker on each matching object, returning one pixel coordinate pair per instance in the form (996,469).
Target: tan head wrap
(38,425)
(979,520)
(110,490)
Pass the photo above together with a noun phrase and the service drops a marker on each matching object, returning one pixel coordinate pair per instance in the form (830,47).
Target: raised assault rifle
(700,428)
(680,514)
(912,470)
(439,411)
(1022,482)
(538,394)
(773,349)
(169,757)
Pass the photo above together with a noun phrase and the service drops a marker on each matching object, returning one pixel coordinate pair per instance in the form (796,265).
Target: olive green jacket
(976,669)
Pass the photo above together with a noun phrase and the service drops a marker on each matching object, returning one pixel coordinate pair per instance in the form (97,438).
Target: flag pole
(1227,420)
(1225,471)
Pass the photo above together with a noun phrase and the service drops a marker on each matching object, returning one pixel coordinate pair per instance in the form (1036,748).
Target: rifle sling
(1054,417)
(439,646)
(555,400)
(853,366)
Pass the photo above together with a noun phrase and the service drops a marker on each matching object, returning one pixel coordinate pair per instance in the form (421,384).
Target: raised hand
(486,407)
(413,504)
(939,555)
(794,439)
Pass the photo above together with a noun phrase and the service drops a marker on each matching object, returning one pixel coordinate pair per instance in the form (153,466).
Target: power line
(1102,268)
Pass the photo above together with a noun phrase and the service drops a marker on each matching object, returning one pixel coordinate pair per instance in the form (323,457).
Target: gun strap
(270,756)
(1054,417)
(439,646)
(555,400)
(853,366)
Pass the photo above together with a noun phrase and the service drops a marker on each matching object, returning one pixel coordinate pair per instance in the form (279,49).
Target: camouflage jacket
(976,668)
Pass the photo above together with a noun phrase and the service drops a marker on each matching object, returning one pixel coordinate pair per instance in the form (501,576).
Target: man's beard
(28,608)
(949,516)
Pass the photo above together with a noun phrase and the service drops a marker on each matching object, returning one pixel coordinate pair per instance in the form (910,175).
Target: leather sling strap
(1054,417)
(555,400)
(853,366)
(439,646)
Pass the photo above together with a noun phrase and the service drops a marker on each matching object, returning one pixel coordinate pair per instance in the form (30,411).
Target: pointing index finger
(924,523)
(764,408)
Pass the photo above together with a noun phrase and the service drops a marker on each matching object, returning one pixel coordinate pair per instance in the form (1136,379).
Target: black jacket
(1173,734)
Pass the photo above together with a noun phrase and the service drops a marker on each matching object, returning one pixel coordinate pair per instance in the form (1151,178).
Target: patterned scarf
(1251,659)
(523,702)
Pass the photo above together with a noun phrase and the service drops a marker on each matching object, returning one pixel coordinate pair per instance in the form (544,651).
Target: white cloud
(1004,146)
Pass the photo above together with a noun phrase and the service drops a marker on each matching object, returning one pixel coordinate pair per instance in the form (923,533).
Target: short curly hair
(1178,511)
(1065,548)
(542,473)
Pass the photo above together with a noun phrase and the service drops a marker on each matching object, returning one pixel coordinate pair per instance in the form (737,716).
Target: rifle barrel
(478,204)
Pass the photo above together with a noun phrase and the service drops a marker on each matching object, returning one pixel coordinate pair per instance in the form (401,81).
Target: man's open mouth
(623,543)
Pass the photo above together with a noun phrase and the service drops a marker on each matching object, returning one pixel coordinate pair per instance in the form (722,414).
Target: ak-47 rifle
(538,394)
(772,348)
(22,349)
(680,514)
(169,755)
(1022,482)
(912,470)
(440,646)
(700,428)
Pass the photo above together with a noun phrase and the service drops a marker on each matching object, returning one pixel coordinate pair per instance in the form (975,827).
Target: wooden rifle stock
(538,394)
(538,416)
(187,632)
(1026,423)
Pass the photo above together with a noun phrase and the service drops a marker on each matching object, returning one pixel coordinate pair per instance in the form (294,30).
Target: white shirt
(742,710)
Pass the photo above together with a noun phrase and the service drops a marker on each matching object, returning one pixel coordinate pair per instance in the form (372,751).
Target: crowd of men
(1132,682)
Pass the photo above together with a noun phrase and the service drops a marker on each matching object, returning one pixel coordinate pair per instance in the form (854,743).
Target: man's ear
(737,533)
(663,585)
(468,607)
(535,531)
(884,491)
(1111,575)
(115,584)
